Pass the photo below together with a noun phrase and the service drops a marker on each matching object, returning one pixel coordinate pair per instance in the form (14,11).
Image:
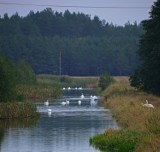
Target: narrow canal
(67,129)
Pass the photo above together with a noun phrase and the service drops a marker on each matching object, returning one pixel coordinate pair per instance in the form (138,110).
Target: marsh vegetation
(140,126)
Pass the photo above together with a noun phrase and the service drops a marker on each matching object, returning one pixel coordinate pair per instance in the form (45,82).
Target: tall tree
(7,80)
(25,73)
(146,76)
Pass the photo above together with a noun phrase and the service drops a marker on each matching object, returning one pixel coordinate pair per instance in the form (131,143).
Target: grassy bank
(140,126)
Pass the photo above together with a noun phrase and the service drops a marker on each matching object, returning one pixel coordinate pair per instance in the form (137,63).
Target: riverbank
(140,126)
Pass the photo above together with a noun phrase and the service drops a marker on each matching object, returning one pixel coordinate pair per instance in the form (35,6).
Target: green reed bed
(17,110)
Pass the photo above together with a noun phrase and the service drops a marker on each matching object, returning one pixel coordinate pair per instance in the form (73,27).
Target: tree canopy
(11,75)
(7,80)
(146,76)
(88,46)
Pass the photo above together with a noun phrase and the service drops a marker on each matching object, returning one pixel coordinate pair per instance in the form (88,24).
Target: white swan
(93,102)
(82,96)
(64,88)
(63,103)
(95,97)
(148,105)
(46,103)
(79,102)
(67,102)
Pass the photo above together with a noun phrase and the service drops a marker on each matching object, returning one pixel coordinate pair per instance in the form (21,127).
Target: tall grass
(20,110)
(65,81)
(126,104)
(38,91)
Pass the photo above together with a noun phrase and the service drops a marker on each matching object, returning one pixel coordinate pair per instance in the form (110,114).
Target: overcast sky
(128,10)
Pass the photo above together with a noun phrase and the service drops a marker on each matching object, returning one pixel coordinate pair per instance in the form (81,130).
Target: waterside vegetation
(19,110)
(18,84)
(69,81)
(139,126)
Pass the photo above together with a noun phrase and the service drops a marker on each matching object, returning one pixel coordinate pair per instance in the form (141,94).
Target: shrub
(104,81)
(116,140)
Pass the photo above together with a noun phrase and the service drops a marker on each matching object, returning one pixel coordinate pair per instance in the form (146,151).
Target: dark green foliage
(25,73)
(146,76)
(7,80)
(121,141)
(104,81)
(88,46)
(10,76)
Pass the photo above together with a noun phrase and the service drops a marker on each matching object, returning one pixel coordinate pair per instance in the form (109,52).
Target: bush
(117,140)
(104,81)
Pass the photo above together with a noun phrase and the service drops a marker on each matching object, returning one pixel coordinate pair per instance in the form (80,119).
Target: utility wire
(76,6)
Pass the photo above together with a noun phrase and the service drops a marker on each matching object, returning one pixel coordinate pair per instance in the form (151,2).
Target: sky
(117,12)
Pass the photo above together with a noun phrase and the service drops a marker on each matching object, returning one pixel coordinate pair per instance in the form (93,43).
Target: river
(67,129)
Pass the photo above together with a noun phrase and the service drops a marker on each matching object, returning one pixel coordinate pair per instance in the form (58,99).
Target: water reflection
(18,123)
(8,124)
(1,136)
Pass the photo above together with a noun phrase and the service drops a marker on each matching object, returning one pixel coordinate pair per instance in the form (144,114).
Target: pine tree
(147,75)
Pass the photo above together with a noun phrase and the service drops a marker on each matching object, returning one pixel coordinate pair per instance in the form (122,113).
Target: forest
(70,43)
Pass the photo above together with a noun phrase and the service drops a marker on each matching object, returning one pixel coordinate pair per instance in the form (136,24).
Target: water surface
(67,129)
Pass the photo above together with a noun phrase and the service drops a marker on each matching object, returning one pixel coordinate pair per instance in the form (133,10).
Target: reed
(38,91)
(69,81)
(19,110)
(126,104)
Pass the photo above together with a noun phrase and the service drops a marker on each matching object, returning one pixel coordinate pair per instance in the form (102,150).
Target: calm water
(67,129)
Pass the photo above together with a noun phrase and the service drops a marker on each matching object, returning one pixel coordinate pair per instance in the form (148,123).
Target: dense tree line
(147,75)
(87,46)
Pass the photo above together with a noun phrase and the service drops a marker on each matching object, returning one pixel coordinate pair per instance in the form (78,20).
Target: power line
(76,6)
